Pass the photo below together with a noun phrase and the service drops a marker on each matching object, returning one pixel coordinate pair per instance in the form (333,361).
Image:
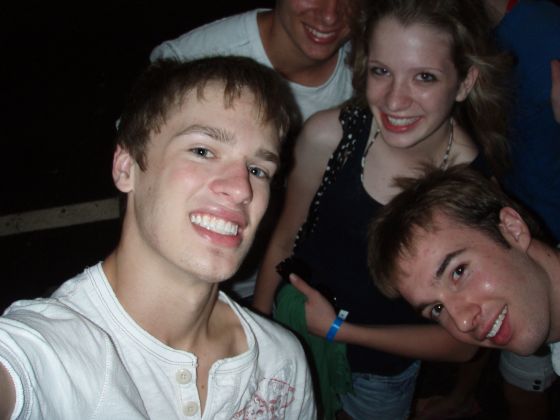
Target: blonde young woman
(427,83)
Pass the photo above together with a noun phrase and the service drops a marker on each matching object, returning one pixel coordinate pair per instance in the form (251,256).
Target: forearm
(268,278)
(425,342)
(265,290)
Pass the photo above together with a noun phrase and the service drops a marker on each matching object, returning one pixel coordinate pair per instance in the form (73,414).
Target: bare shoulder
(321,131)
(317,141)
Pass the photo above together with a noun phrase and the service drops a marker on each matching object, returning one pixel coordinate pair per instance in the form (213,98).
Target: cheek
(438,102)
(261,196)
(297,7)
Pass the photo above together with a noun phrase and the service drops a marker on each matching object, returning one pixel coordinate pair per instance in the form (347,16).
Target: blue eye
(458,273)
(436,311)
(258,172)
(202,152)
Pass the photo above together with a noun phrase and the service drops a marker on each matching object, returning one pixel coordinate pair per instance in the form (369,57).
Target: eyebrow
(227,137)
(439,272)
(219,134)
(417,69)
(446,262)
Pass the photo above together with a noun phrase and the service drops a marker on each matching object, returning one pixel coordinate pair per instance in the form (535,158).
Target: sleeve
(47,358)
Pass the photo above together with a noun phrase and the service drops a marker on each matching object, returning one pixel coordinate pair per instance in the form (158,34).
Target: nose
(398,96)
(331,11)
(234,183)
(465,315)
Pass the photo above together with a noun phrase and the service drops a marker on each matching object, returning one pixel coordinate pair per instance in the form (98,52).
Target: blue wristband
(342,314)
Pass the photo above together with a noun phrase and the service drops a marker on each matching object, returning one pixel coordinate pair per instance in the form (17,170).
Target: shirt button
(183,376)
(190,408)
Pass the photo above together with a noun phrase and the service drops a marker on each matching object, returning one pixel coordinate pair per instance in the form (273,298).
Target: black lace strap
(354,121)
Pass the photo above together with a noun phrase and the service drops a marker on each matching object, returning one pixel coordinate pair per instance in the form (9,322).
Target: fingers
(301,285)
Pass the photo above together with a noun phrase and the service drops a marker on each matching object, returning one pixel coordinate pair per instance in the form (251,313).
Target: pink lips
(216,235)
(400,128)
(503,336)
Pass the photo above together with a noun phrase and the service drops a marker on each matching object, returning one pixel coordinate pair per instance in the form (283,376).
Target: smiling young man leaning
(146,333)
(470,258)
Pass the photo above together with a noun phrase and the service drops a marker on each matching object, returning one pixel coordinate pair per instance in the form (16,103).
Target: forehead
(432,243)
(419,39)
(213,94)
(241,118)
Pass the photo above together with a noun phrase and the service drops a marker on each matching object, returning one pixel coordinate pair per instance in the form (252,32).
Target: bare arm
(555,92)
(426,342)
(7,394)
(314,146)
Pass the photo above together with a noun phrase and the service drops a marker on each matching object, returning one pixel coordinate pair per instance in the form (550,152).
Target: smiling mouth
(320,35)
(401,121)
(215,224)
(497,323)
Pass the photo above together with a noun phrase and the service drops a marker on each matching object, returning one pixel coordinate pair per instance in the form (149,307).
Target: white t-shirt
(78,354)
(239,35)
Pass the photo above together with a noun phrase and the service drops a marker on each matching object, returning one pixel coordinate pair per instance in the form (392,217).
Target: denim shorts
(381,397)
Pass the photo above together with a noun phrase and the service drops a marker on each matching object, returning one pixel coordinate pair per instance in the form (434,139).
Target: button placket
(190,408)
(183,376)
(186,381)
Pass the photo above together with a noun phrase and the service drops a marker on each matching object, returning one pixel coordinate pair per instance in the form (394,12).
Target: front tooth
(400,121)
(320,34)
(497,324)
(215,224)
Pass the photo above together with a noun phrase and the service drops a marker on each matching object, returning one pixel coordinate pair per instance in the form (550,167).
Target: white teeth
(497,324)
(215,224)
(401,121)
(320,34)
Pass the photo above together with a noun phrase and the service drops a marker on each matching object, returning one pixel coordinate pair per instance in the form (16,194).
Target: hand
(555,91)
(319,313)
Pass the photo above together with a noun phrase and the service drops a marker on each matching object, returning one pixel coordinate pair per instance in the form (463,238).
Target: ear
(467,84)
(123,170)
(514,229)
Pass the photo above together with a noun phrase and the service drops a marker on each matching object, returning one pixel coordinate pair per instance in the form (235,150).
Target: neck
(163,302)
(286,57)
(549,260)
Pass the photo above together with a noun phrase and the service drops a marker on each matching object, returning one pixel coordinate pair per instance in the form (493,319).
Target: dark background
(66,69)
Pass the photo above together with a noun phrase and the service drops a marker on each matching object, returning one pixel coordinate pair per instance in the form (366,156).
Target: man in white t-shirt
(146,333)
(305,42)
(468,257)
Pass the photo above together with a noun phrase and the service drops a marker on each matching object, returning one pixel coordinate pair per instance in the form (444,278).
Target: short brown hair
(461,193)
(162,87)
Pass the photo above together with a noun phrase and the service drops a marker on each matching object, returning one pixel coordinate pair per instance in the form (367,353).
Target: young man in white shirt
(306,42)
(146,333)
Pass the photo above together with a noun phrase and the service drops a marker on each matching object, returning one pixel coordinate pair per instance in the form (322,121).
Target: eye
(458,273)
(436,311)
(378,71)
(202,152)
(426,77)
(258,172)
